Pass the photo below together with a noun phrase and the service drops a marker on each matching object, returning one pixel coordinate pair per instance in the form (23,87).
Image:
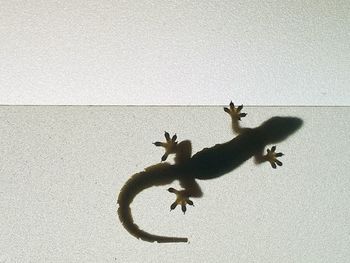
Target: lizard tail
(152,176)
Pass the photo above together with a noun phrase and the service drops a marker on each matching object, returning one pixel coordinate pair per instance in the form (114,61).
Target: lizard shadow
(222,158)
(207,164)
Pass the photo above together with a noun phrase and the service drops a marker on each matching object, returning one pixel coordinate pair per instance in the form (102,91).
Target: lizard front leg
(236,115)
(271,157)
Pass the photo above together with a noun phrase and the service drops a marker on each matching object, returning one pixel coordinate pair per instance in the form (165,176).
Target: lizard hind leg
(170,145)
(183,150)
(182,198)
(191,189)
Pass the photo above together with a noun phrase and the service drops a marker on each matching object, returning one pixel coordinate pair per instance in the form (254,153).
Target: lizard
(207,164)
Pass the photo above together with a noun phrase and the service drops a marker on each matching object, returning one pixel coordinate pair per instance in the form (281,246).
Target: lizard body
(207,164)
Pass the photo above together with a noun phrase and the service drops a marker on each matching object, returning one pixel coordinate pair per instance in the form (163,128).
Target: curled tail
(155,175)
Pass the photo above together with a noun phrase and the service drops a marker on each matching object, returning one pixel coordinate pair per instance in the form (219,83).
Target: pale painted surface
(61,169)
(175,52)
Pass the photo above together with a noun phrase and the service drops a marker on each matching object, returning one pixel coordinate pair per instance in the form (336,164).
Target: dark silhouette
(207,164)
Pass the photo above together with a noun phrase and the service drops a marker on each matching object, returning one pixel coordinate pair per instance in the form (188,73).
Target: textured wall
(61,169)
(175,52)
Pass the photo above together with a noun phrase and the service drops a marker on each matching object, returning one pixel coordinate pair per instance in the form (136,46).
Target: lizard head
(277,129)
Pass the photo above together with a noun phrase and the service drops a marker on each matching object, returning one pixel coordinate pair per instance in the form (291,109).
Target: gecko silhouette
(207,164)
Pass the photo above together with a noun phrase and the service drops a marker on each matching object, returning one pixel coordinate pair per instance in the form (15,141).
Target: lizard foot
(169,145)
(235,113)
(271,157)
(182,198)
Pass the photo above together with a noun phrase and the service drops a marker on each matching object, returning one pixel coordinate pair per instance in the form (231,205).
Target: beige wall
(175,52)
(61,169)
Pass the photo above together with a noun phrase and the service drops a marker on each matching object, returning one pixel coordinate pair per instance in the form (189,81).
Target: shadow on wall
(207,164)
